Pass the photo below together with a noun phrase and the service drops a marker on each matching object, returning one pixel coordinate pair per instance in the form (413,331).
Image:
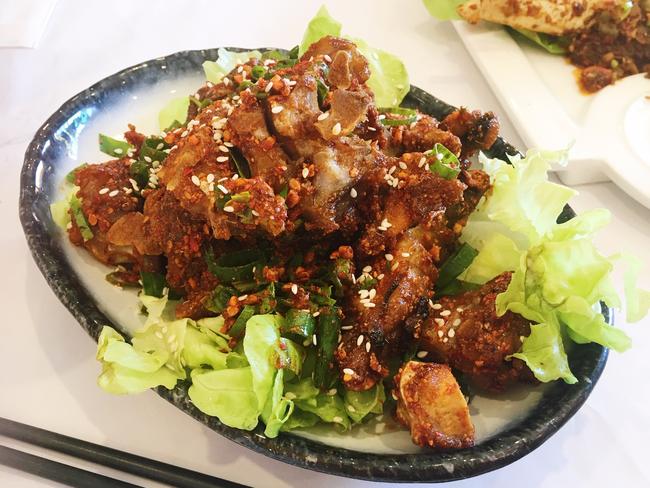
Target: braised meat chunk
(431,405)
(465,332)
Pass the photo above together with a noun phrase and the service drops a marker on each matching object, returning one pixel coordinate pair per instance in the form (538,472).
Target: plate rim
(438,466)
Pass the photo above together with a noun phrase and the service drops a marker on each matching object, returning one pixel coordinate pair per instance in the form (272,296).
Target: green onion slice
(153,284)
(299,322)
(234,266)
(114,147)
(80,219)
(455,265)
(445,163)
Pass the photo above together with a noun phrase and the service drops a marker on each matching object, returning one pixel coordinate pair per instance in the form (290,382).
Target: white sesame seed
(372,294)
(440,322)
(268,87)
(353,193)
(337,420)
(240,69)
(394,266)
(147,159)
(389,257)
(209,178)
(451,333)
(445,313)
(103,191)
(305,172)
(196,180)
(367,269)
(346,327)
(222,159)
(455,323)
(360,340)
(294,289)
(323,116)
(406,254)
(422,354)
(242,298)
(363,293)
(316,313)
(459,310)
(367,346)
(422,162)
(445,340)
(277,109)
(348,371)
(394,395)
(441,333)
(255,213)
(228,209)
(402,165)
(369,305)
(336,130)
(392,169)
(380,276)
(332,391)
(314,340)
(289,395)
(113,193)
(117,150)
(223,148)
(372,129)
(306,342)
(327,58)
(184,133)
(381,117)
(222,189)
(436,306)
(351,408)
(521,338)
(128,191)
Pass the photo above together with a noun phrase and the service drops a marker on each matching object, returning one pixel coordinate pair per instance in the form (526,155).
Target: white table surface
(47,365)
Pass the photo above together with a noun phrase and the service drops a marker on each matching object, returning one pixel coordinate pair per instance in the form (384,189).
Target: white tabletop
(47,365)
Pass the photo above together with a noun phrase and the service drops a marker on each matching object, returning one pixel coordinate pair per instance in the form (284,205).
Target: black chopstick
(112,458)
(55,471)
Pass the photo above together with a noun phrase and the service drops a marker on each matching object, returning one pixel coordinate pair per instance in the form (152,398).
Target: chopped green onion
(322,90)
(114,147)
(398,110)
(410,114)
(70,177)
(242,197)
(298,322)
(201,104)
(257,72)
(456,287)
(244,84)
(139,171)
(234,266)
(239,327)
(284,191)
(149,149)
(455,265)
(293,54)
(261,95)
(218,300)
(153,284)
(243,169)
(290,356)
(329,326)
(80,219)
(445,163)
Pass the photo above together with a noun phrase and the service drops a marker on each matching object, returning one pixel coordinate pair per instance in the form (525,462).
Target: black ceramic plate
(53,139)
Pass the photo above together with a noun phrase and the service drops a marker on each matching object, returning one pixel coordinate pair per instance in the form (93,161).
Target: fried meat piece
(422,136)
(465,332)
(379,314)
(431,405)
(476,130)
(348,69)
(104,201)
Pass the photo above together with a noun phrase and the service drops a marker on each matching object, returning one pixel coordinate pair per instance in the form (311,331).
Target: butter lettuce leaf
(227,394)
(558,275)
(389,79)
(174,113)
(225,63)
(443,9)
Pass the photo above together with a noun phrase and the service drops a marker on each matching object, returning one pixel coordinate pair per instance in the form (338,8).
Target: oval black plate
(558,404)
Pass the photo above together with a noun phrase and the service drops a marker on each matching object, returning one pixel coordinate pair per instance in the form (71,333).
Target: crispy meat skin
(465,332)
(431,405)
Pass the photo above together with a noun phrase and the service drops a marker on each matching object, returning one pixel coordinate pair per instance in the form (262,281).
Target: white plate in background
(608,132)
